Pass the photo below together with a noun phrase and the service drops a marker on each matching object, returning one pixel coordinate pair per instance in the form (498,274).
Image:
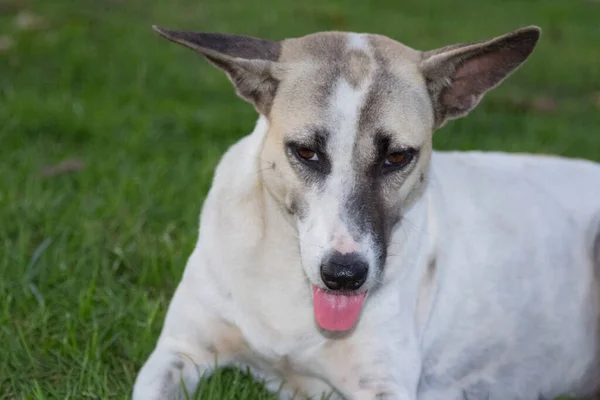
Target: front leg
(192,343)
(171,367)
(370,367)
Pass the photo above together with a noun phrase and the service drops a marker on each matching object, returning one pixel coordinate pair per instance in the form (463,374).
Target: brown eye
(307,154)
(398,158)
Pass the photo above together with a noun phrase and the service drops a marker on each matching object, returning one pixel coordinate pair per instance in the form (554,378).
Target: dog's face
(350,137)
(350,120)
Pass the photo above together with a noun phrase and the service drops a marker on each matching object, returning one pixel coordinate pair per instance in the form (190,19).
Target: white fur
(489,290)
(490,210)
(358,41)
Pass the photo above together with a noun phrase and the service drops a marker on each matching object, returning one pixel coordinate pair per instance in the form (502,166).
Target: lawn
(109,137)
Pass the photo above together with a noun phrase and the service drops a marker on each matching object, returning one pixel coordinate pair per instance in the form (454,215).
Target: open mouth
(337,311)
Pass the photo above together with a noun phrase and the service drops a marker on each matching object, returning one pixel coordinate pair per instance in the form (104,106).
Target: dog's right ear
(248,62)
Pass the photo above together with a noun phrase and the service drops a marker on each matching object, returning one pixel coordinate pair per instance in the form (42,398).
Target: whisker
(421,230)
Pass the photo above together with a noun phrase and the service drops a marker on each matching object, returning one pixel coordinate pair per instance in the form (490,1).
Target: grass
(90,257)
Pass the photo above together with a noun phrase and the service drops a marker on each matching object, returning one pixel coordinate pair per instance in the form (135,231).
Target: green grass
(90,258)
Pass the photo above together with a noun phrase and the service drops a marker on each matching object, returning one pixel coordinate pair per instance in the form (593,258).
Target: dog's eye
(398,159)
(307,154)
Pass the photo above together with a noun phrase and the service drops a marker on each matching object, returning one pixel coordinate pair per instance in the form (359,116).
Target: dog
(339,254)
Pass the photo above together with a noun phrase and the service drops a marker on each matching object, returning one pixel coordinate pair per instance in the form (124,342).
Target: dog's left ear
(248,62)
(458,76)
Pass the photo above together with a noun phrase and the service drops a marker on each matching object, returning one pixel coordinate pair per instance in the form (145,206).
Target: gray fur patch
(366,210)
(383,87)
(312,172)
(325,51)
(356,67)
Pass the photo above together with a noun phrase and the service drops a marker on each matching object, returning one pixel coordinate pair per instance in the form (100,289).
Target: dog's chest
(285,354)
(279,336)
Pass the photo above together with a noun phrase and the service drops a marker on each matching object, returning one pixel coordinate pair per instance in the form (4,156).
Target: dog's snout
(344,271)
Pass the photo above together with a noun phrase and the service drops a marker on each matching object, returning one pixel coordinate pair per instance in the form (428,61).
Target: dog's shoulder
(235,197)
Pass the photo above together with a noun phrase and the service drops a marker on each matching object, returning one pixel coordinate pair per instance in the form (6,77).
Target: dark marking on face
(366,214)
(313,172)
(381,143)
(384,85)
(422,177)
(328,53)
(380,89)
(273,165)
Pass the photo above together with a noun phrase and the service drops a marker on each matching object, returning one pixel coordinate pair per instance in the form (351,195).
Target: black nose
(344,271)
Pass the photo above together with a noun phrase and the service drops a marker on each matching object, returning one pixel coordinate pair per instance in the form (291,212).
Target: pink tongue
(336,312)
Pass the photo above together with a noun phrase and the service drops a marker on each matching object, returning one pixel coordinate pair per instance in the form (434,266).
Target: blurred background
(109,136)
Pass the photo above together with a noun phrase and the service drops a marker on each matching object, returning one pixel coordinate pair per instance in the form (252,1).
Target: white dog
(338,253)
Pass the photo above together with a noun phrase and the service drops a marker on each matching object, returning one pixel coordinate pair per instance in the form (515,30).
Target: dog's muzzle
(338,307)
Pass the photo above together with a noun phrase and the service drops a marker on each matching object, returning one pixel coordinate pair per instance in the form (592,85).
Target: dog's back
(573,184)
(521,305)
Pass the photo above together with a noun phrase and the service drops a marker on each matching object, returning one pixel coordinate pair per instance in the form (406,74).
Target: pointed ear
(248,62)
(458,76)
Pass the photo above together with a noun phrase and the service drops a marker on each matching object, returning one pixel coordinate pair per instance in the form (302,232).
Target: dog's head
(350,122)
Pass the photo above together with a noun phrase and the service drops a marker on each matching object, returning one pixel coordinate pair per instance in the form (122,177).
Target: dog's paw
(167,378)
